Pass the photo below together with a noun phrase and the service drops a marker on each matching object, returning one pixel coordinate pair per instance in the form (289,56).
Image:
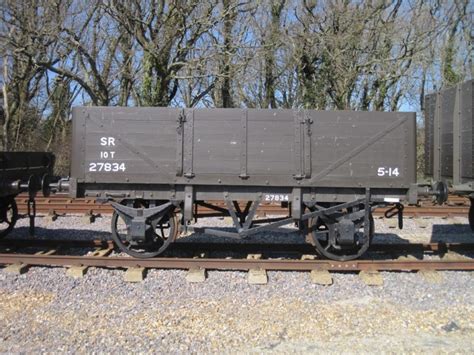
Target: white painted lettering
(107,141)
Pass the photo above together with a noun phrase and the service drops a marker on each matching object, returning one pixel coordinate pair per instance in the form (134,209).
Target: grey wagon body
(157,152)
(334,167)
(449,140)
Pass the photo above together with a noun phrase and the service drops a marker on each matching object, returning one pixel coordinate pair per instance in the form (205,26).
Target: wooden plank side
(217,141)
(148,147)
(123,143)
(271,143)
(430,105)
(352,148)
(447,115)
(467,132)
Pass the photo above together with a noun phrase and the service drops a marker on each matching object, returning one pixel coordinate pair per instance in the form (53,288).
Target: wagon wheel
(324,239)
(8,215)
(159,236)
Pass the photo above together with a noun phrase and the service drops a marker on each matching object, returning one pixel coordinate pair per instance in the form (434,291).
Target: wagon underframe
(338,221)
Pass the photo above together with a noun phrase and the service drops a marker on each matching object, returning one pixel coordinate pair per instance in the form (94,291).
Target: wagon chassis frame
(341,219)
(247,228)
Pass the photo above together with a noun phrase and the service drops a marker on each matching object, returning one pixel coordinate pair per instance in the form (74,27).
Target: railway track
(237,264)
(62,204)
(261,257)
(193,248)
(19,254)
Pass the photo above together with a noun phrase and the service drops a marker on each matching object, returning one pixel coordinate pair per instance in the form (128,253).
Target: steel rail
(238,264)
(305,248)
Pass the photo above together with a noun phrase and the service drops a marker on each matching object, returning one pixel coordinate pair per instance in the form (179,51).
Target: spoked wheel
(8,215)
(158,236)
(326,238)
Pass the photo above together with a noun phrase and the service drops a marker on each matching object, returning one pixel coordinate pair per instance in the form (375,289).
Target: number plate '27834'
(275,197)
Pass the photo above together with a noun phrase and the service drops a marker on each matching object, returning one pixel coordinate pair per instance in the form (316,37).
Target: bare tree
(271,43)
(335,54)
(458,14)
(22,78)
(223,90)
(355,54)
(166,32)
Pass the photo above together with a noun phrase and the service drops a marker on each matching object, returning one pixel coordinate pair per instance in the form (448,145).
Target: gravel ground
(46,311)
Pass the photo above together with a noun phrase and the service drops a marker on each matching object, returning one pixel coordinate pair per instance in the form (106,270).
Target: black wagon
(331,168)
(22,172)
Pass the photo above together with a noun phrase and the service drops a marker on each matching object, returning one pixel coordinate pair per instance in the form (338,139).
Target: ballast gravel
(44,310)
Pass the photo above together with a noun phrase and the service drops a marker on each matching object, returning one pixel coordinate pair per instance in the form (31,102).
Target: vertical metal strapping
(307,145)
(296,203)
(188,143)
(78,167)
(437,139)
(244,144)
(457,136)
(180,143)
(468,173)
(429,120)
(188,202)
(410,155)
(367,210)
(298,146)
(470,156)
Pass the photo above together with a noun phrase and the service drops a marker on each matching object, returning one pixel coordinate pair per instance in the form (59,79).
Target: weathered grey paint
(429,115)
(467,132)
(449,134)
(240,147)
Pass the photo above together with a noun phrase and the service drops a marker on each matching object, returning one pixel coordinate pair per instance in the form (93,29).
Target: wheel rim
(163,234)
(320,238)
(8,216)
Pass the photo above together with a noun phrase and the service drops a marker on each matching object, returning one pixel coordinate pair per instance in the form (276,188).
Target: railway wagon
(449,139)
(21,172)
(329,168)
